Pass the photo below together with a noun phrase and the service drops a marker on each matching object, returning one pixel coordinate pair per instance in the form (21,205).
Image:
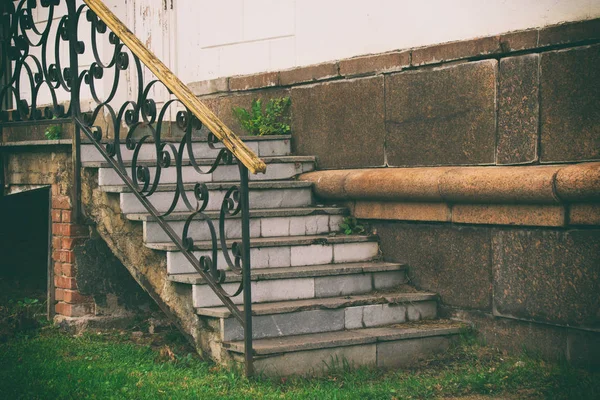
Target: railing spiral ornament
(33,61)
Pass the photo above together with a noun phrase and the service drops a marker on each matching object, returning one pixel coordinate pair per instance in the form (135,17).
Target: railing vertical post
(246,273)
(75,105)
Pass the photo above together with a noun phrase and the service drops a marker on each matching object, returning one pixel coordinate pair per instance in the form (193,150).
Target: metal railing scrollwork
(41,78)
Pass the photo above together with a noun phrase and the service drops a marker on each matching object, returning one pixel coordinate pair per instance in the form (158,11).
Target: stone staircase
(319,297)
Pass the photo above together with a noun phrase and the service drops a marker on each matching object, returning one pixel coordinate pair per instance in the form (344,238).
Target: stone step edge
(252,185)
(314,341)
(245,138)
(274,241)
(204,162)
(306,271)
(254,213)
(326,303)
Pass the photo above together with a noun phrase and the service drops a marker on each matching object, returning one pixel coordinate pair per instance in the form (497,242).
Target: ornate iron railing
(32,62)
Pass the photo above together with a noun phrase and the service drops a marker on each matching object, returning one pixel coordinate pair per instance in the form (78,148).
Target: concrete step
(263,223)
(298,317)
(263,146)
(283,252)
(389,346)
(307,282)
(278,168)
(263,195)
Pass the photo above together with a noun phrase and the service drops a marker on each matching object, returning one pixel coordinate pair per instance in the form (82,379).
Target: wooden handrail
(237,147)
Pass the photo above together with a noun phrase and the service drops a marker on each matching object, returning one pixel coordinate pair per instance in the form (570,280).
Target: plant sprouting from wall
(53,132)
(273,120)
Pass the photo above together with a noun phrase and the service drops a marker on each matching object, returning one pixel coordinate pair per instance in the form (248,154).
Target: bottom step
(385,347)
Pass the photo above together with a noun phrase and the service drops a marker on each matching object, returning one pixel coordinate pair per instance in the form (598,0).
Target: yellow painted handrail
(179,89)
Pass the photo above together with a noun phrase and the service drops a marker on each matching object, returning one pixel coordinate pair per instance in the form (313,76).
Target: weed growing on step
(53,132)
(351,226)
(273,120)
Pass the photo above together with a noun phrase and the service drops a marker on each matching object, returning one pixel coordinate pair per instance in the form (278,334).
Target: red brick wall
(65,235)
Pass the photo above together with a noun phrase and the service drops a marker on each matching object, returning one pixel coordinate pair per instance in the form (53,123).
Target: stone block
(388,280)
(453,261)
(572,32)
(309,225)
(456,50)
(550,276)
(402,211)
(316,362)
(518,109)
(402,353)
(509,214)
(297,323)
(247,82)
(313,254)
(444,116)
(209,86)
(347,115)
(353,252)
(308,74)
(570,104)
(262,292)
(584,214)
(520,40)
(374,315)
(342,285)
(271,148)
(375,63)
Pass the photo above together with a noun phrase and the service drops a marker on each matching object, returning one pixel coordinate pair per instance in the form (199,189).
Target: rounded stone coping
(549,184)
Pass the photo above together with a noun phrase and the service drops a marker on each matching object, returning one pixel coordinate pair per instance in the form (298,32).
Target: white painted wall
(206,39)
(231,37)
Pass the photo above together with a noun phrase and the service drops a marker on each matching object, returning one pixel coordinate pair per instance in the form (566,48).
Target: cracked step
(282,252)
(307,282)
(298,317)
(391,346)
(278,168)
(263,223)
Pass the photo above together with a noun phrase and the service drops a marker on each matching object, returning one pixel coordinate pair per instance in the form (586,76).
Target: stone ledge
(565,34)
(529,196)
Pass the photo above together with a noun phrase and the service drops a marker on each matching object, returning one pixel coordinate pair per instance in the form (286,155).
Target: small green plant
(53,132)
(273,120)
(350,225)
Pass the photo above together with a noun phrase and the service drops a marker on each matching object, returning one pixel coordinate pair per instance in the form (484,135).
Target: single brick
(56,255)
(247,82)
(310,73)
(59,294)
(61,202)
(65,282)
(56,215)
(67,216)
(58,268)
(456,50)
(57,229)
(375,63)
(55,190)
(56,242)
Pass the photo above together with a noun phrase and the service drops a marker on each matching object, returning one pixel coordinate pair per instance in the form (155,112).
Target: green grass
(51,365)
